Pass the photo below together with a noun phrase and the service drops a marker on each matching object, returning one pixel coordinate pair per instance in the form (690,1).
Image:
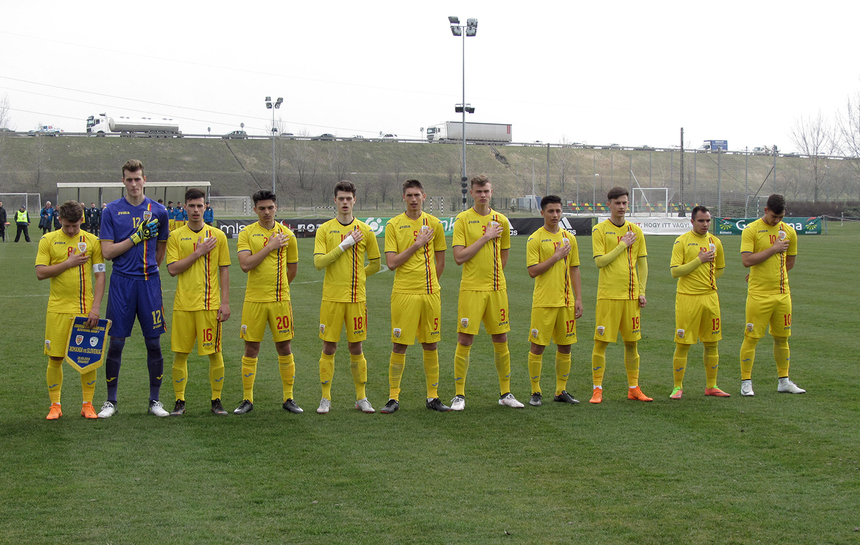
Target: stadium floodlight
(273,106)
(471,28)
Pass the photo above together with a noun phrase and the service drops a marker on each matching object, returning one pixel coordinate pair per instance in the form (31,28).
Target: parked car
(287,135)
(242,135)
(324,136)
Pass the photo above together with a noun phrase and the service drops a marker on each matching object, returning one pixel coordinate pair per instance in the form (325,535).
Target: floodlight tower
(469,29)
(273,105)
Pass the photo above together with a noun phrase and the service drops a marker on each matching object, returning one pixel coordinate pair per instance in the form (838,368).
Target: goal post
(13,201)
(651,201)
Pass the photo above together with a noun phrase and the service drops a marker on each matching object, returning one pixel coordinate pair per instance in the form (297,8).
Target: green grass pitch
(769,469)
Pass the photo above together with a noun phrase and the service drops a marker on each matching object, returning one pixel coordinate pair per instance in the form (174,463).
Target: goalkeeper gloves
(145,231)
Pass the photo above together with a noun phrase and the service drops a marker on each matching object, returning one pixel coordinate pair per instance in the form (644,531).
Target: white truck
(485,133)
(101,125)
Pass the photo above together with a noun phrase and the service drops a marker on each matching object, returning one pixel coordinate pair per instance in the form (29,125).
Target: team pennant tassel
(86,350)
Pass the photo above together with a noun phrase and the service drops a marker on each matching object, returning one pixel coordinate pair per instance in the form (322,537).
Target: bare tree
(814,138)
(5,116)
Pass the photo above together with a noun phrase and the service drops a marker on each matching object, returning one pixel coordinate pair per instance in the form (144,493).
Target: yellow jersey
(71,290)
(703,278)
(770,277)
(199,286)
(267,282)
(553,288)
(484,272)
(619,279)
(345,278)
(418,274)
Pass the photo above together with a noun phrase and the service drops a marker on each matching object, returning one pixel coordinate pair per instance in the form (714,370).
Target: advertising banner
(87,346)
(735,226)
(307,227)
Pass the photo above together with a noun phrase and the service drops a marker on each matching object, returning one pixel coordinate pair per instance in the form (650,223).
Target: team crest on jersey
(79,339)
(534,333)
(322,328)
(396,332)
(600,330)
(147,215)
(464,322)
(750,327)
(681,333)
(82,247)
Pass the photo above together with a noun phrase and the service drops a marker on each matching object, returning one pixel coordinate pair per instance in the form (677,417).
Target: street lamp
(273,105)
(469,29)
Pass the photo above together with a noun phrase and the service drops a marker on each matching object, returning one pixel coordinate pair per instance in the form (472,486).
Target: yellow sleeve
(642,265)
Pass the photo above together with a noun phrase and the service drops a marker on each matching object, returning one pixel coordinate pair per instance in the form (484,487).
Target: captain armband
(98,268)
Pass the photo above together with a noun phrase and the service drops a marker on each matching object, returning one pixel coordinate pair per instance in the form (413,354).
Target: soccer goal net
(13,201)
(232,206)
(650,201)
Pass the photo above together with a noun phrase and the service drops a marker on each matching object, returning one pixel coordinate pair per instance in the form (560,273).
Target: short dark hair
(480,180)
(616,193)
(71,211)
(132,165)
(549,199)
(697,209)
(263,195)
(776,203)
(194,193)
(346,186)
(412,183)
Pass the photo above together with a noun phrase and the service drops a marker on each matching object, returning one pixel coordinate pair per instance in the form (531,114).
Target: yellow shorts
(697,316)
(764,310)
(57,329)
(490,307)
(351,315)
(202,325)
(614,316)
(556,323)
(415,316)
(255,316)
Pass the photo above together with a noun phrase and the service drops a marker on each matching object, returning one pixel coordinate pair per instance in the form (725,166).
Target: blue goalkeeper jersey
(119,220)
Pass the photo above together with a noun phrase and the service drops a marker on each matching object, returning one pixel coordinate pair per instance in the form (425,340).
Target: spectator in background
(22,219)
(94,216)
(2,222)
(208,215)
(46,218)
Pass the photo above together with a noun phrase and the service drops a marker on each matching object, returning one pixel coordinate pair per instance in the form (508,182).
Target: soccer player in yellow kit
(199,256)
(415,251)
(340,248)
(269,254)
(481,244)
(769,250)
(620,254)
(552,257)
(697,261)
(72,259)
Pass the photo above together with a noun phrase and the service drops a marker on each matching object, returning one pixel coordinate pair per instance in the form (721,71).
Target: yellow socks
(216,374)
(287,368)
(431,372)
(631,363)
(54,376)
(598,362)
(249,374)
(535,365)
(180,374)
(782,355)
(712,364)
(461,367)
(679,363)
(358,367)
(502,357)
(396,362)
(747,357)
(326,374)
(562,371)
